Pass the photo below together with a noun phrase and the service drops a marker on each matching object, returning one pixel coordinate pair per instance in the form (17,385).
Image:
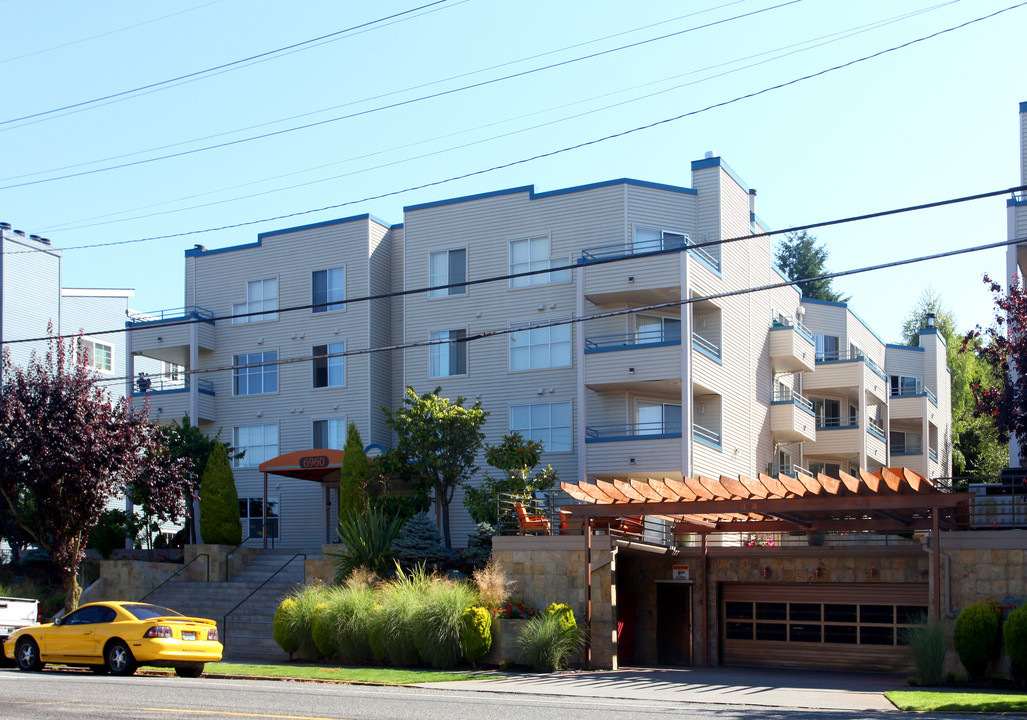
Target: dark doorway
(674,624)
(627,610)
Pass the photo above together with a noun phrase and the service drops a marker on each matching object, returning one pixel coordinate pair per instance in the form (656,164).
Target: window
(533,254)
(826,347)
(657,328)
(259,441)
(448,358)
(658,418)
(547,423)
(825,468)
(256,379)
(96,355)
(905,442)
(329,371)
(905,386)
(828,412)
(330,434)
(328,287)
(651,240)
(261,296)
(445,268)
(540,348)
(251,513)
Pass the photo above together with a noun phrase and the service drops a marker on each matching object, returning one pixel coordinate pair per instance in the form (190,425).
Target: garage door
(856,626)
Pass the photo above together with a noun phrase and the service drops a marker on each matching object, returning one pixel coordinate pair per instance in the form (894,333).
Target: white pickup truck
(16,613)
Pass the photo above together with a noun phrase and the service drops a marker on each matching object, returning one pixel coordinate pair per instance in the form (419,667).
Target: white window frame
(650,239)
(536,422)
(442,274)
(87,349)
(243,437)
(526,343)
(245,374)
(665,424)
(538,257)
(330,364)
(274,512)
(261,295)
(339,437)
(898,383)
(670,328)
(440,354)
(334,299)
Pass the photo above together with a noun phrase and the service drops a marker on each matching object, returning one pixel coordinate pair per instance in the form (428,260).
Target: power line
(574,266)
(223,66)
(559,151)
(380,108)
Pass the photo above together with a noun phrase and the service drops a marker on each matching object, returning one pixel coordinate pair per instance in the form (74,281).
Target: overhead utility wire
(551,153)
(827,39)
(219,67)
(380,108)
(597,316)
(573,266)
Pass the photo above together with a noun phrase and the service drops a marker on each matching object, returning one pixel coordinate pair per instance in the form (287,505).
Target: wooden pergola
(889,500)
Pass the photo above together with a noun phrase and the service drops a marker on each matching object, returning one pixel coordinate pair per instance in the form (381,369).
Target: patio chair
(530,524)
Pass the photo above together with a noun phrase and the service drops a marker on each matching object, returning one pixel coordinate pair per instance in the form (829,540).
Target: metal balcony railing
(787,395)
(874,429)
(836,355)
(159,384)
(599,343)
(705,434)
(633,430)
(918,391)
(782,321)
(182,313)
(848,423)
(907,449)
(645,247)
(790,470)
(704,345)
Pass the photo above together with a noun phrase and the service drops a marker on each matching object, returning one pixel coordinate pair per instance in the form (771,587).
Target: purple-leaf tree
(69,450)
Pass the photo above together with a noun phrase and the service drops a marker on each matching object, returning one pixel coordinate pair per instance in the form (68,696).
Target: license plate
(6,630)
(188,635)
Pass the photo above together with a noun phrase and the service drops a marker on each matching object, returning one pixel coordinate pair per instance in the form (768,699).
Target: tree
(65,445)
(517,458)
(1003,348)
(439,439)
(353,476)
(800,257)
(220,522)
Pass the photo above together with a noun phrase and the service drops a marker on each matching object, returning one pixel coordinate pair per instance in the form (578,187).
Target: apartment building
(618,333)
(1016,254)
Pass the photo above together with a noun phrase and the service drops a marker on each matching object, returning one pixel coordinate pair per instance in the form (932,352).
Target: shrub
(420,543)
(220,523)
(547,641)
(350,612)
(301,619)
(976,637)
(392,626)
(479,546)
(927,641)
(476,635)
(282,629)
(494,586)
(353,474)
(437,632)
(565,615)
(1015,634)
(368,538)
(321,631)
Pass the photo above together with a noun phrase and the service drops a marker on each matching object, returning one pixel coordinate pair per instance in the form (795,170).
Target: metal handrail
(643,429)
(224,618)
(787,395)
(639,337)
(178,572)
(703,344)
(189,311)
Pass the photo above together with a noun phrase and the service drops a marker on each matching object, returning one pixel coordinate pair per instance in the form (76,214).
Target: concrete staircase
(260,586)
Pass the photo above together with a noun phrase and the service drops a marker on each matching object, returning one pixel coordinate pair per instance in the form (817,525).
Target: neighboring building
(1016,255)
(664,374)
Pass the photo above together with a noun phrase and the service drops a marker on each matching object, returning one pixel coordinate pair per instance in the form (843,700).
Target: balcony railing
(839,355)
(159,384)
(193,312)
(706,435)
(907,449)
(918,391)
(932,454)
(787,395)
(791,470)
(874,429)
(605,343)
(706,346)
(782,321)
(646,247)
(623,431)
(837,423)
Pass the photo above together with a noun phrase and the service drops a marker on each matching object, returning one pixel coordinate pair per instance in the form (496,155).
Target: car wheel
(192,670)
(119,659)
(26,654)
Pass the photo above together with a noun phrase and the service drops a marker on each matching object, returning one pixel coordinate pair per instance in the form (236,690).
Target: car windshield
(146,612)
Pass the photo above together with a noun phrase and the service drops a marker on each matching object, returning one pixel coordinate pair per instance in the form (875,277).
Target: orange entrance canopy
(313,465)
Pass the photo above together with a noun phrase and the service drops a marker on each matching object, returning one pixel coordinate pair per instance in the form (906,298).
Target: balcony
(628,341)
(169,399)
(641,362)
(838,370)
(633,449)
(167,334)
(791,417)
(791,347)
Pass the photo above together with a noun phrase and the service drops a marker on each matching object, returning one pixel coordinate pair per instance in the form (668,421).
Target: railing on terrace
(159,384)
(540,514)
(790,470)
(640,338)
(190,311)
(705,345)
(847,423)
(932,454)
(615,250)
(836,355)
(919,391)
(782,321)
(874,429)
(621,431)
(998,505)
(787,395)
(701,433)
(907,449)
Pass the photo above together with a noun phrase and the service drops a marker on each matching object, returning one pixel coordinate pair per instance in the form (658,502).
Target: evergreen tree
(220,522)
(800,257)
(354,474)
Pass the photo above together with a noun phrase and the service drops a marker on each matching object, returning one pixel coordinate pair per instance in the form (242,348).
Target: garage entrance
(673,623)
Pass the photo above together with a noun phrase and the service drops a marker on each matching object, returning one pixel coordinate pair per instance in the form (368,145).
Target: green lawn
(957,701)
(389,676)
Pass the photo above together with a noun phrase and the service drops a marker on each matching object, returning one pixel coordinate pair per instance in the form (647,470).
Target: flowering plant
(514,611)
(759,540)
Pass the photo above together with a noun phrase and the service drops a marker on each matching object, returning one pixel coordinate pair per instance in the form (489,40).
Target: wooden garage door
(854,626)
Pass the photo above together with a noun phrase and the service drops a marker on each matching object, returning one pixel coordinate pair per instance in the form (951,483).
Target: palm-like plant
(367,538)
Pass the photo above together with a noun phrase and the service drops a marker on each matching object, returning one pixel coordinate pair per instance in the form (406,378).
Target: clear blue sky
(931,121)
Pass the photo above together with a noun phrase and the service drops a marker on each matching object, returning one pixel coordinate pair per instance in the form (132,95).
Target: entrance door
(673,624)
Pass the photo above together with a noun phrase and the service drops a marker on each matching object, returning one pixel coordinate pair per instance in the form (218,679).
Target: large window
(655,418)
(256,379)
(445,268)
(903,443)
(530,254)
(826,347)
(259,441)
(651,240)
(328,289)
(330,434)
(450,357)
(97,355)
(545,347)
(329,371)
(251,512)
(261,297)
(828,412)
(658,329)
(905,386)
(547,423)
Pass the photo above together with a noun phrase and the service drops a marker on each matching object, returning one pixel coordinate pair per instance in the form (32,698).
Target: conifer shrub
(476,634)
(565,616)
(976,637)
(420,543)
(479,546)
(353,475)
(1014,631)
(219,502)
(281,629)
(439,621)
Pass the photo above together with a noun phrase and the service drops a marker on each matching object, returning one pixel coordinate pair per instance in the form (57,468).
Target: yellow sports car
(117,637)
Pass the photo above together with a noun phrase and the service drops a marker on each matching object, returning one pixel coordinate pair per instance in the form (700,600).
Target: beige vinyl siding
(379,317)
(635,365)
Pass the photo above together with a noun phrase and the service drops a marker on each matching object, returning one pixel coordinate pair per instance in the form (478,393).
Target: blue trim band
(196,252)
(1023,107)
(719,162)
(636,346)
(622,438)
(899,346)
(703,351)
(708,443)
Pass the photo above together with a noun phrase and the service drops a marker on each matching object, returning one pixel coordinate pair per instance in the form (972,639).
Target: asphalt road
(55,695)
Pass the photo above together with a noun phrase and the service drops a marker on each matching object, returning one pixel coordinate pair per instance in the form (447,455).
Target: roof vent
(5,226)
(201,248)
(20,232)
(710,154)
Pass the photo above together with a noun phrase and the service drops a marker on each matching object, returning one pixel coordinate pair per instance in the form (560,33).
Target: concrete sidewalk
(780,688)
